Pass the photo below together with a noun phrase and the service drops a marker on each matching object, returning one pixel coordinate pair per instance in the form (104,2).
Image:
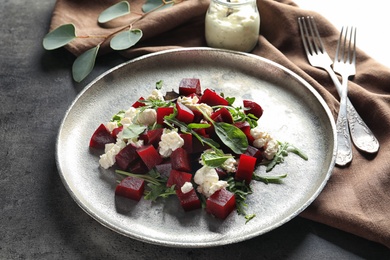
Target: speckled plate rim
(102,220)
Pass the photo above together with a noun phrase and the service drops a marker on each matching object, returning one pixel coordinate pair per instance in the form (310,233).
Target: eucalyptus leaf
(125,39)
(84,64)
(59,37)
(115,11)
(151,5)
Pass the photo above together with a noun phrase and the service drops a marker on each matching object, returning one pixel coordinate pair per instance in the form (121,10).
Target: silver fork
(318,57)
(345,65)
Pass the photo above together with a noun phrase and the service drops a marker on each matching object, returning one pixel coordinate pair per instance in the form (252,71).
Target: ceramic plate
(293,112)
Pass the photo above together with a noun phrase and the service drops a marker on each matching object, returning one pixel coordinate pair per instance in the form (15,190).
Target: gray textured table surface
(39,220)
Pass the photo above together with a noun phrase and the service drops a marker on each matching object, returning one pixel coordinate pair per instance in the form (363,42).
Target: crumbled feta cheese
(229,165)
(266,141)
(111,150)
(147,117)
(111,125)
(271,149)
(156,95)
(129,116)
(187,187)
(170,141)
(190,102)
(208,181)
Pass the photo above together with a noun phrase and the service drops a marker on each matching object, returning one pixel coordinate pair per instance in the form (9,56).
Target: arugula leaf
(241,192)
(214,158)
(158,191)
(269,179)
(118,117)
(133,131)
(231,136)
(159,84)
(284,149)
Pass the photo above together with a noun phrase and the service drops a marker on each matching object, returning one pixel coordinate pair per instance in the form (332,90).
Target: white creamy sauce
(232,28)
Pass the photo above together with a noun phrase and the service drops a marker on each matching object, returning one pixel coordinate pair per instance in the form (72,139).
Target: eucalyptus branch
(121,39)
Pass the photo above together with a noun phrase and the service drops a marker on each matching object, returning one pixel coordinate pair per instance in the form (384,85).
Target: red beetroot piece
(189,201)
(252,107)
(149,156)
(180,160)
(246,129)
(189,86)
(222,115)
(254,152)
(138,167)
(221,203)
(131,187)
(187,142)
(164,168)
(211,98)
(178,178)
(126,156)
(161,112)
(245,168)
(152,137)
(184,114)
(138,103)
(101,137)
(116,131)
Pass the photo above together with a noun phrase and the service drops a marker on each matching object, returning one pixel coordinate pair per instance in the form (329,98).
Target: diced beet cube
(253,108)
(180,160)
(164,168)
(197,146)
(152,137)
(184,114)
(149,156)
(221,173)
(245,168)
(138,103)
(189,86)
(187,138)
(116,131)
(198,116)
(254,152)
(222,115)
(246,129)
(126,156)
(211,98)
(189,201)
(161,112)
(101,137)
(178,178)
(131,187)
(138,167)
(221,203)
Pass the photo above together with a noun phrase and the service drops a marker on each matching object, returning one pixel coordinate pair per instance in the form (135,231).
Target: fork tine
(336,56)
(303,30)
(316,35)
(354,45)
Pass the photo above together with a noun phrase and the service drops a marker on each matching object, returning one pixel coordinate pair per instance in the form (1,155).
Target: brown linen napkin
(356,198)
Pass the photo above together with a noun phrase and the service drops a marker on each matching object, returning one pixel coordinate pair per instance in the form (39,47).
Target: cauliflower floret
(208,181)
(187,187)
(170,141)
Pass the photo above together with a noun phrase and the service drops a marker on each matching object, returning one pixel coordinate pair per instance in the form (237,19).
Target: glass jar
(232,24)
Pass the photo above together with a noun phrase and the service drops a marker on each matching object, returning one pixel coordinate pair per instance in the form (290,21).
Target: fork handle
(362,136)
(344,145)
